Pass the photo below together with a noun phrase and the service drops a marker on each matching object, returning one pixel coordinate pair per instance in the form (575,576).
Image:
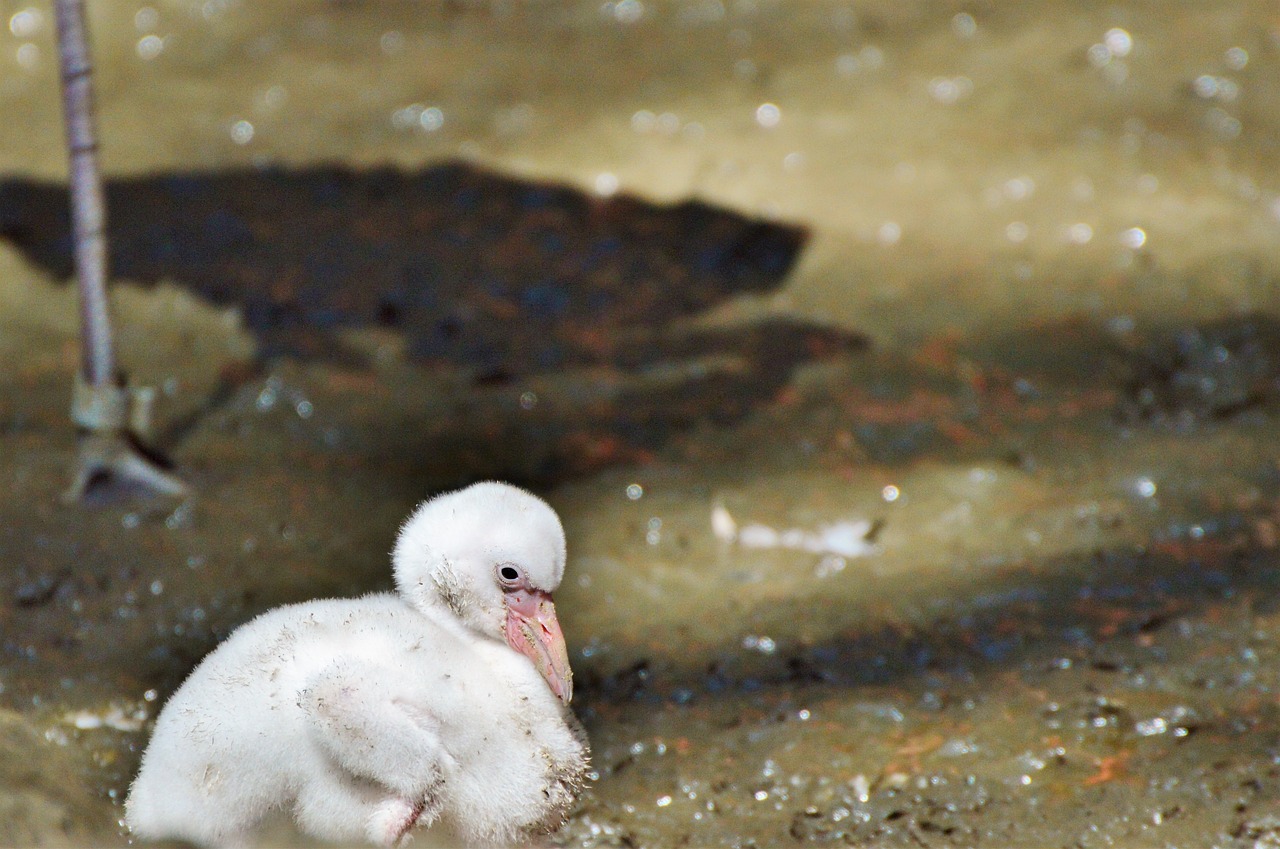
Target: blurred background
(905,373)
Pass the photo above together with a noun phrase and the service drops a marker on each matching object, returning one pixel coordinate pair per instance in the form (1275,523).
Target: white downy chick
(364,718)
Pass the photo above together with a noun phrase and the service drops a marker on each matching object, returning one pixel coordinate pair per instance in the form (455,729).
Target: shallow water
(1004,575)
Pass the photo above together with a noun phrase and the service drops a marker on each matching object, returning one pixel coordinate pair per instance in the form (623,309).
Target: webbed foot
(111,458)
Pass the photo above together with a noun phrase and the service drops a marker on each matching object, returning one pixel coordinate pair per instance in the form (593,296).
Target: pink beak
(533,630)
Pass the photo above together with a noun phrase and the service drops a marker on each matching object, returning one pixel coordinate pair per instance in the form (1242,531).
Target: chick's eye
(509,574)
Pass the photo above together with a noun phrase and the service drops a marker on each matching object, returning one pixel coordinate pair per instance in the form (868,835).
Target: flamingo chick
(446,701)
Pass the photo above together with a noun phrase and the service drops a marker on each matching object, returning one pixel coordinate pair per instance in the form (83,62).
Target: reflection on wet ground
(916,453)
(502,276)
(469,270)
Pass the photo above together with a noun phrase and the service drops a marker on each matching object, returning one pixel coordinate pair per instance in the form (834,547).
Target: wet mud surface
(915,442)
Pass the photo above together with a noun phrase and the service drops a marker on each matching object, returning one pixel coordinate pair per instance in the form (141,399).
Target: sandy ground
(956,527)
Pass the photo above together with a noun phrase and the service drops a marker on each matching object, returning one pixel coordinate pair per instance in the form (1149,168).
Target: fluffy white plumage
(366,717)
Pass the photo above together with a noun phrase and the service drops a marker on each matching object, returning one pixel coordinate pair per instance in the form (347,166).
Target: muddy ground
(907,376)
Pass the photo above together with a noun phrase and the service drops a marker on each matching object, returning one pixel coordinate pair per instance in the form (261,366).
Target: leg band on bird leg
(99,408)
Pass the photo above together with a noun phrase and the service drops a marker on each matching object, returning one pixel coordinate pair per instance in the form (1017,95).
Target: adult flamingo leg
(110,416)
